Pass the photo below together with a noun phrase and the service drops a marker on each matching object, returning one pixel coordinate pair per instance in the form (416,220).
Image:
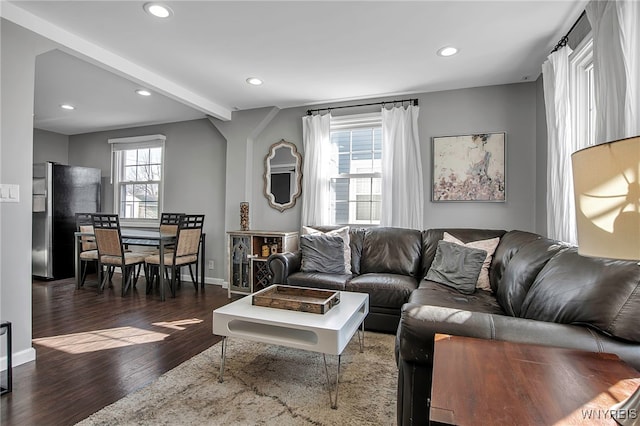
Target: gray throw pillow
(322,253)
(456,266)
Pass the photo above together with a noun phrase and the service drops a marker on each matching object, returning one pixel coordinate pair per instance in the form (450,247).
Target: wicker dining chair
(111,252)
(88,248)
(185,254)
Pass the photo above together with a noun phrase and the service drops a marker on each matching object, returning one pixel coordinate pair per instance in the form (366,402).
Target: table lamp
(606,181)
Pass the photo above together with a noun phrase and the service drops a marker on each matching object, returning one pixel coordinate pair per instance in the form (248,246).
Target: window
(139,183)
(356,178)
(137,177)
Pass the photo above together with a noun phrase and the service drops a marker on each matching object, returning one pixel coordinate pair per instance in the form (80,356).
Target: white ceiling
(102,99)
(307,52)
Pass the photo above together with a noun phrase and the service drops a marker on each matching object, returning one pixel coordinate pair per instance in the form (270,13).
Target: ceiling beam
(92,53)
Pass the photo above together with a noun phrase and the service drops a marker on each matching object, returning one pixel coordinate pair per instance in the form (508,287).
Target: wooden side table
(490,382)
(5,330)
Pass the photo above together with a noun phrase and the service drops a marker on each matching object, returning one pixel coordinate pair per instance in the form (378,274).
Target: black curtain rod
(415,103)
(564,40)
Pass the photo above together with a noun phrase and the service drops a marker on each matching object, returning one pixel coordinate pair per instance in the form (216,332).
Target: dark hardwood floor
(93,349)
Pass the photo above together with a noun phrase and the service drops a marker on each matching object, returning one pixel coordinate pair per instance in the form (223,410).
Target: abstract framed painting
(469,168)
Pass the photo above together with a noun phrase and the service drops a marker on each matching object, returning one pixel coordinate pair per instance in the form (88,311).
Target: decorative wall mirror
(282,175)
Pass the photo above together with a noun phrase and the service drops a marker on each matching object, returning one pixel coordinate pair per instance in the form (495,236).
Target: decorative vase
(244,216)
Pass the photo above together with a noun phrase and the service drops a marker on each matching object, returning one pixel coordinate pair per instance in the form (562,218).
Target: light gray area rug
(266,385)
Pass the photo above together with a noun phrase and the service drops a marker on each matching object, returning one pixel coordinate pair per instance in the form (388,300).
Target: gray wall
(241,133)
(18,49)
(510,108)
(194,173)
(50,146)
(286,125)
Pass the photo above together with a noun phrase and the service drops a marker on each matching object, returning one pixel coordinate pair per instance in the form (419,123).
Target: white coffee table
(327,333)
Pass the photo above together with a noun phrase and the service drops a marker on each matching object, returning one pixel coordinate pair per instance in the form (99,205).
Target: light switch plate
(9,193)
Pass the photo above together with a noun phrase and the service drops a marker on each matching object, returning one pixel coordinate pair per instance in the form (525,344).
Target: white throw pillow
(487,245)
(342,233)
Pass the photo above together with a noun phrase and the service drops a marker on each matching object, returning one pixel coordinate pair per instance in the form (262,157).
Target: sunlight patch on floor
(97,340)
(179,324)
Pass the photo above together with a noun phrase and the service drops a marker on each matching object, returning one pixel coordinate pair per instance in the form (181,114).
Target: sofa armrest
(415,348)
(281,265)
(420,323)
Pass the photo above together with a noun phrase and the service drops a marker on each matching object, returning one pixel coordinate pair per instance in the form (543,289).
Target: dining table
(145,237)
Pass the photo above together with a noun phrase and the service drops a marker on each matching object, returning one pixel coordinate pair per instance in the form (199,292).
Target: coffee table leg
(223,355)
(334,403)
(361,337)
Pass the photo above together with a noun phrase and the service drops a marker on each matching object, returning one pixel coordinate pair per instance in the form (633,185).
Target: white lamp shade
(607,194)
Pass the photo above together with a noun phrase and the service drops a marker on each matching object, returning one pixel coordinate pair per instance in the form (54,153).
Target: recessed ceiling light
(447,51)
(158,10)
(143,92)
(254,81)
(67,106)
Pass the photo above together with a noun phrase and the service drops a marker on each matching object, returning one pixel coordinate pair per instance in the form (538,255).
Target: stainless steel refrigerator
(59,192)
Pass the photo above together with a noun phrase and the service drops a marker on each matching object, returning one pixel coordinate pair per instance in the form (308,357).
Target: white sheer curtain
(402,183)
(616,62)
(561,221)
(315,173)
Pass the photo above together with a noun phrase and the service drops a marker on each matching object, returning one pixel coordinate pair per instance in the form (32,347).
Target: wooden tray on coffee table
(299,299)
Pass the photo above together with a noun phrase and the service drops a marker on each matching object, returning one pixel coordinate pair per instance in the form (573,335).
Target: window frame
(352,123)
(119,147)
(583,110)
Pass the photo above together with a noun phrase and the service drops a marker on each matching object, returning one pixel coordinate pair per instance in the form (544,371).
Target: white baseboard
(207,280)
(187,278)
(18,358)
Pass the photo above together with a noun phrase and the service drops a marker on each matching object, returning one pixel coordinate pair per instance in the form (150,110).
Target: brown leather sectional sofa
(385,262)
(543,292)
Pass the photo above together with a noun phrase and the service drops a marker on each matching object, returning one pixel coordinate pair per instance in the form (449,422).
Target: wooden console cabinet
(247,257)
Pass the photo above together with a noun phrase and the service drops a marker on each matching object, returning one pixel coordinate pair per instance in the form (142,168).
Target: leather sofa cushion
(391,251)
(434,294)
(431,237)
(579,290)
(521,270)
(318,280)
(385,290)
(509,245)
